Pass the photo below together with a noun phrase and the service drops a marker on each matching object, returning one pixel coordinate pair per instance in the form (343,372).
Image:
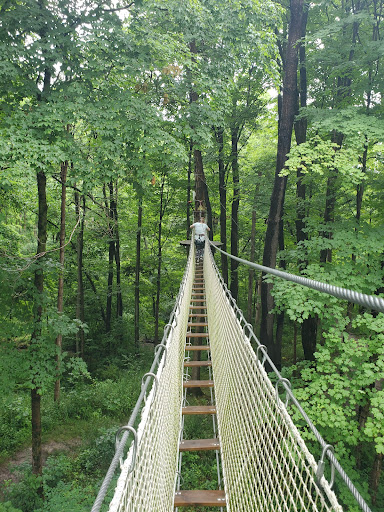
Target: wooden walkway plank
(198,409)
(198,384)
(197,347)
(200,498)
(197,445)
(197,364)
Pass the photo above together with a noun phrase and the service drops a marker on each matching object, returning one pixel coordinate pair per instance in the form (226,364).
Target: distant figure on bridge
(201,229)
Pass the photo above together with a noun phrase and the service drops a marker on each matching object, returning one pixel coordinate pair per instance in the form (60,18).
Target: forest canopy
(118,120)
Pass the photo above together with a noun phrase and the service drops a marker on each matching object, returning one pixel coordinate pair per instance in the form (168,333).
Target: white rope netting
(266,464)
(150,486)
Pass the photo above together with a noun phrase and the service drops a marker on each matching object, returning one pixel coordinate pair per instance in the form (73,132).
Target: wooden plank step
(200,498)
(198,384)
(197,347)
(196,445)
(198,324)
(198,315)
(197,335)
(198,409)
(198,294)
(197,307)
(195,364)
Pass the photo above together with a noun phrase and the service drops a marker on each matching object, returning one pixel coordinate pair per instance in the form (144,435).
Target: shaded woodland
(117,121)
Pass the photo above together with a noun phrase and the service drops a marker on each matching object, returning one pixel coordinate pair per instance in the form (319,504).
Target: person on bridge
(201,229)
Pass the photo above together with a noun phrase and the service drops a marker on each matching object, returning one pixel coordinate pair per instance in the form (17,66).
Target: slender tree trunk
(375,476)
(329,211)
(360,186)
(223,203)
(309,325)
(111,258)
(80,335)
(137,273)
(159,261)
(189,190)
(37,463)
(343,96)
(119,297)
(258,301)
(275,217)
(235,214)
(37,459)
(94,289)
(60,292)
(251,272)
(202,202)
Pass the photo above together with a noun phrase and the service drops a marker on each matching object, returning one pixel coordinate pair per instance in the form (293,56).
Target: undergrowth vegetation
(91,413)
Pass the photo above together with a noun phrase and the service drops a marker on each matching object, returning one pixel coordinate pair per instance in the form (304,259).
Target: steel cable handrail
(369,301)
(327,449)
(127,429)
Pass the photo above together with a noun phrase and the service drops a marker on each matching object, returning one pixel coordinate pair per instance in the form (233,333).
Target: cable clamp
(164,348)
(249,327)
(156,381)
(321,466)
(264,349)
(283,381)
(127,428)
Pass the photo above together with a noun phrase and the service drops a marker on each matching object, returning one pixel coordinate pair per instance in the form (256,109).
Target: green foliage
(8,507)
(24,495)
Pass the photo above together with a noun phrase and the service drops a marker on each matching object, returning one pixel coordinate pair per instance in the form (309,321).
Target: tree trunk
(37,460)
(159,261)
(360,186)
(111,258)
(202,202)
(309,325)
(60,292)
(189,190)
(275,217)
(375,476)
(137,273)
(37,463)
(223,203)
(251,272)
(80,335)
(235,214)
(113,203)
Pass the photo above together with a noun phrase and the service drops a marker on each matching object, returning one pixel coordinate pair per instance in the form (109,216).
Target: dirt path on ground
(7,469)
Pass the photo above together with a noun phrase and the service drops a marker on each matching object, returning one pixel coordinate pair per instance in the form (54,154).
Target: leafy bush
(14,423)
(24,495)
(8,507)
(97,456)
(66,496)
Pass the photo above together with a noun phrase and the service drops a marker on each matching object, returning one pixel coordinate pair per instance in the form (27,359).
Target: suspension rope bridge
(263,463)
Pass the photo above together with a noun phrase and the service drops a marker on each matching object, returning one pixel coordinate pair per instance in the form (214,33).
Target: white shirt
(200,229)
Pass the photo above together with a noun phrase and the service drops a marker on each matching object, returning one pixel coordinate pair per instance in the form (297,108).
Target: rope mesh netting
(150,486)
(266,464)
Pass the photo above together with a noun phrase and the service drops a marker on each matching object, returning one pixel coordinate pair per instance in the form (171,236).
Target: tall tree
(275,217)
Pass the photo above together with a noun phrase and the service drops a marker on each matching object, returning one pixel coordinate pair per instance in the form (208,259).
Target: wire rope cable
(251,365)
(368,301)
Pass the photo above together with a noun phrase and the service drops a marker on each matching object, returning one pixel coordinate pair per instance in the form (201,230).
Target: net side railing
(266,464)
(148,473)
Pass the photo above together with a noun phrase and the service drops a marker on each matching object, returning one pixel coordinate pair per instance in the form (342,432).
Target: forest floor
(8,469)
